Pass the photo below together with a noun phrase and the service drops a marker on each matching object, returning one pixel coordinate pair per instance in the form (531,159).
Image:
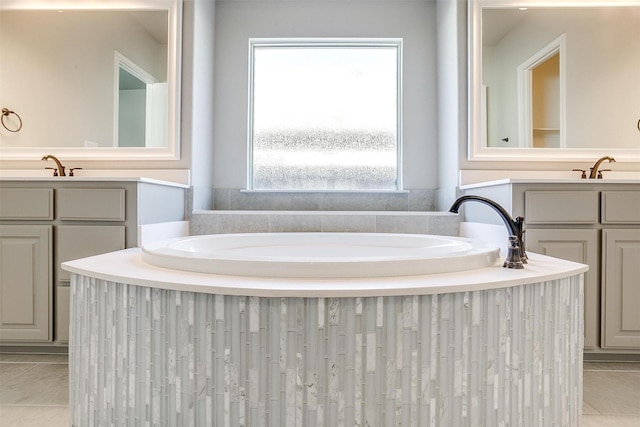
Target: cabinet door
(577,246)
(621,289)
(25,283)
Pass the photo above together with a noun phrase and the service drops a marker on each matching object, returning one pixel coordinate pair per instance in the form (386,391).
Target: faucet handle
(600,172)
(514,260)
(55,171)
(584,173)
(73,169)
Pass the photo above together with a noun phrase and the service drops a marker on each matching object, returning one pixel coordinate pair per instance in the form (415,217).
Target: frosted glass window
(324,116)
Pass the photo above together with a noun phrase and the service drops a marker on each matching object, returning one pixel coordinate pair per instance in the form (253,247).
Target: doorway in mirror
(140,105)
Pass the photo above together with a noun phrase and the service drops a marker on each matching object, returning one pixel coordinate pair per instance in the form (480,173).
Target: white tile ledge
(249,191)
(318,212)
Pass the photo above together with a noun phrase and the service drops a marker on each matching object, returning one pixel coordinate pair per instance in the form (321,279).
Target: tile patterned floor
(34,392)
(611,395)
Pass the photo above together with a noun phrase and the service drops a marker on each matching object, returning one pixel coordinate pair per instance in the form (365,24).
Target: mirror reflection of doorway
(132,99)
(541,100)
(140,105)
(545,98)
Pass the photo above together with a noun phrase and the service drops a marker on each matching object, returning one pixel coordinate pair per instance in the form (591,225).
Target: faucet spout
(594,169)
(58,164)
(517,255)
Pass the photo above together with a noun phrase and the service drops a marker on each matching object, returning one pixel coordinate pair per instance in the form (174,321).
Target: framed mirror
(554,81)
(95,80)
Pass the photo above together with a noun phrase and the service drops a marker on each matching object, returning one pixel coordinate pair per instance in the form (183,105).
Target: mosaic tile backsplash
(506,357)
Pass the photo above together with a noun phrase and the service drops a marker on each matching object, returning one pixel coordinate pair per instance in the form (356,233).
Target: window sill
(326,191)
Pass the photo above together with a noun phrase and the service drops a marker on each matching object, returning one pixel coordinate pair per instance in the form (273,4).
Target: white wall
(197,97)
(237,21)
(452,97)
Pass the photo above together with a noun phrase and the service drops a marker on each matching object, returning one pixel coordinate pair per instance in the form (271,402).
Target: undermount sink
(321,255)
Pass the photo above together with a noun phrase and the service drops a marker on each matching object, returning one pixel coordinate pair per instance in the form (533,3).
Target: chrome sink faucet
(595,173)
(60,169)
(516,256)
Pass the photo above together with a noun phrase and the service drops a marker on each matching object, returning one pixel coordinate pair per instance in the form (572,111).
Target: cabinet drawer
(81,241)
(26,203)
(90,204)
(561,207)
(620,207)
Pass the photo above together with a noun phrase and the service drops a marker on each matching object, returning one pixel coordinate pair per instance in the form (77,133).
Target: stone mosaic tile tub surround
(146,356)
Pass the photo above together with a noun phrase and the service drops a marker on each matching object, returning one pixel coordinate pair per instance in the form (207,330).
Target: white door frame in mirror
(477,150)
(152,138)
(174,45)
(525,92)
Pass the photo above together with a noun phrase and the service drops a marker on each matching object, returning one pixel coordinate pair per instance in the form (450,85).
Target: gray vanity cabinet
(620,245)
(572,210)
(44,223)
(589,221)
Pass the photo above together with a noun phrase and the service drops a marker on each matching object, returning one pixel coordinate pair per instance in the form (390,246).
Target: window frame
(324,42)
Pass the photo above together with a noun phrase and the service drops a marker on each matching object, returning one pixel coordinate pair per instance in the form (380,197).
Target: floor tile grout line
(617,414)
(31,405)
(608,416)
(28,370)
(599,412)
(34,363)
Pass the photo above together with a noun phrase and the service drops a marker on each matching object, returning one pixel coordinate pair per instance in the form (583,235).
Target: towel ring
(6,112)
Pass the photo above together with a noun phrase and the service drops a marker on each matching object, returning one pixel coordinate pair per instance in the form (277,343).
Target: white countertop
(173,177)
(127,267)
(469,178)
(549,181)
(55,179)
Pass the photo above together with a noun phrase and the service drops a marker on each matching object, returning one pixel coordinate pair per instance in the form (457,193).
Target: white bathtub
(321,255)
